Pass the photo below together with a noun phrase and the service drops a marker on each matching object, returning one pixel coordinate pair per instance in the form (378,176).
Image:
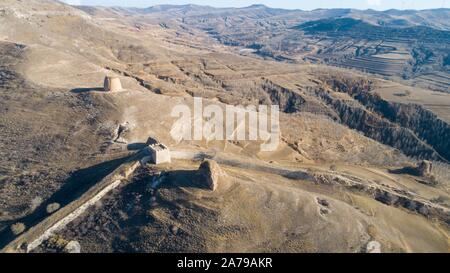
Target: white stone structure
(373,247)
(159,153)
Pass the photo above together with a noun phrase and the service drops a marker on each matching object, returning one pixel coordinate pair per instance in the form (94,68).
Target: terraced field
(438,79)
(415,53)
(373,64)
(362,158)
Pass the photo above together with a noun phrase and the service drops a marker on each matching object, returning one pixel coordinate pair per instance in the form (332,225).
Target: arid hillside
(410,46)
(363,157)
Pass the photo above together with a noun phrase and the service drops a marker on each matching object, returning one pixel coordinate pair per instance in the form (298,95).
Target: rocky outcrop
(209,173)
(288,100)
(373,247)
(387,195)
(378,128)
(72,247)
(425,124)
(410,128)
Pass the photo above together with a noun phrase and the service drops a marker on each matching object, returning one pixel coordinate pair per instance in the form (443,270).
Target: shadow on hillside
(406,170)
(136,146)
(75,186)
(86,90)
(182,178)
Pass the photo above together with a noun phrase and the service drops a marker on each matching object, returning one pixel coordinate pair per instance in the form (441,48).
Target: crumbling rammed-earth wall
(57,221)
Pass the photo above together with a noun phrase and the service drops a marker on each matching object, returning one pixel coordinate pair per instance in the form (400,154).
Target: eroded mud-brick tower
(112,84)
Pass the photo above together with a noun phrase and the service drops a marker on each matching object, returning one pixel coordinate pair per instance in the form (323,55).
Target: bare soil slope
(335,182)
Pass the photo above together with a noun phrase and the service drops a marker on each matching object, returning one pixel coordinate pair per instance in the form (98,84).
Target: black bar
(128,263)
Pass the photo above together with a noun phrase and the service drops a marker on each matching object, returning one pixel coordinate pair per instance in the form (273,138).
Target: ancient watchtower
(112,84)
(159,153)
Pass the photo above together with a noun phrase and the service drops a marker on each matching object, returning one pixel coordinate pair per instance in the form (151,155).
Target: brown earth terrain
(343,175)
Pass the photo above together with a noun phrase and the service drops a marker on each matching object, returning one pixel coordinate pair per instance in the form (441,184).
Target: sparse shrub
(18,228)
(372,231)
(56,242)
(333,168)
(51,208)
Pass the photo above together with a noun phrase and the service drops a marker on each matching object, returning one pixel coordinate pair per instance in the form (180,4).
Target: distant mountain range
(401,43)
(434,18)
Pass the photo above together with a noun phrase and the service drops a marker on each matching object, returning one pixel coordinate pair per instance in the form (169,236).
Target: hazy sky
(288,4)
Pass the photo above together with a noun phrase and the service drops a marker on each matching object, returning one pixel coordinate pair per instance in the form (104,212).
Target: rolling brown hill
(340,178)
